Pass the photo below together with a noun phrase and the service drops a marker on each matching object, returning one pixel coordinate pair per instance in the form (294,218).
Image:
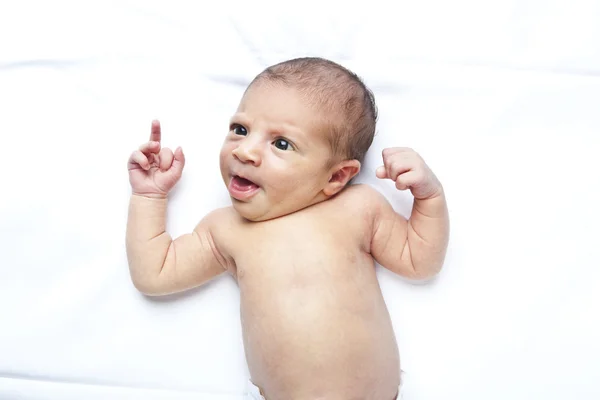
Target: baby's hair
(340,93)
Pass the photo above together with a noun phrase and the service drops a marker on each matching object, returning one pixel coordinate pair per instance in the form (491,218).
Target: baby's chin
(250,211)
(255,213)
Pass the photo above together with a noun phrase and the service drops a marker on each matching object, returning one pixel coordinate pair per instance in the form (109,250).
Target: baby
(300,239)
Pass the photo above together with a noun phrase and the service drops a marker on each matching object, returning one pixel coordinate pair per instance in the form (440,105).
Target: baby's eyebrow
(287,129)
(295,134)
(238,117)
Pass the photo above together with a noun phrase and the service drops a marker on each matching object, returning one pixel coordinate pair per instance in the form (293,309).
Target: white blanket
(502,99)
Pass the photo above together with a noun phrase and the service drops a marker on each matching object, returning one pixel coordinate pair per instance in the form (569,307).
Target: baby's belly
(319,332)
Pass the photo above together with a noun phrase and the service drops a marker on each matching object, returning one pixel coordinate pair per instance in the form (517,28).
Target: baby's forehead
(321,104)
(284,102)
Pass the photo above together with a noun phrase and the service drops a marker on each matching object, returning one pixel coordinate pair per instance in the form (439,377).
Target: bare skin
(315,325)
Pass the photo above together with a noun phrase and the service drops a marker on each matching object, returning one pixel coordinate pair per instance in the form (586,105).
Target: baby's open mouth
(242,188)
(243,184)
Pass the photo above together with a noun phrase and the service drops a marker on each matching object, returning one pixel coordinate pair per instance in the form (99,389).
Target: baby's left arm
(415,248)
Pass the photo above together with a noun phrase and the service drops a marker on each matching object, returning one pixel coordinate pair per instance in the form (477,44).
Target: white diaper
(253,392)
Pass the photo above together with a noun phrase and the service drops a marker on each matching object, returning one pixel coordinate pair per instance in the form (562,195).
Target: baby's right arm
(158,264)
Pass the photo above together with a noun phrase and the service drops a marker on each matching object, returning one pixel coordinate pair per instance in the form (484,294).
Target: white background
(502,99)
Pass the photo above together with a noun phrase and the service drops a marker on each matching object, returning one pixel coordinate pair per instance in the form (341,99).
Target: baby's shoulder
(356,211)
(360,203)
(222,219)
(221,225)
(362,196)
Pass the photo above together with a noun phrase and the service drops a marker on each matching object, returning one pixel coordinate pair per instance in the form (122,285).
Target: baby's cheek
(286,185)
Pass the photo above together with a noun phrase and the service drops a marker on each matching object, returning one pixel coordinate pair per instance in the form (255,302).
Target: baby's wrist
(434,193)
(153,196)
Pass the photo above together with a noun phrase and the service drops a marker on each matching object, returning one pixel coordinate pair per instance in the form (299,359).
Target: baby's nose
(247,153)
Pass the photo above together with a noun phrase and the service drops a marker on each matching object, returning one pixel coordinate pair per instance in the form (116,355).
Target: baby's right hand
(153,171)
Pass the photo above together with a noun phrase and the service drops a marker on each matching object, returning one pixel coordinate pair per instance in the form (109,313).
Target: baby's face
(275,156)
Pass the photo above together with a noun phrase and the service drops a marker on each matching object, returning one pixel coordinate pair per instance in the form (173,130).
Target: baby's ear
(340,175)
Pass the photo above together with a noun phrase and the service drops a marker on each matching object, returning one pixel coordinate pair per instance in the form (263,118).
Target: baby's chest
(294,244)
(298,253)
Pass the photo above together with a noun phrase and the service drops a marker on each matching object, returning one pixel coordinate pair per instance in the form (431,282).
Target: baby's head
(298,137)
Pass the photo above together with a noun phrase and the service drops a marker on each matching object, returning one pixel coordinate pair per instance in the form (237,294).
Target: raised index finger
(155,131)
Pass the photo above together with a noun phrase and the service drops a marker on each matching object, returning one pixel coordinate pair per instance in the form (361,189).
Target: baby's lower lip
(242,189)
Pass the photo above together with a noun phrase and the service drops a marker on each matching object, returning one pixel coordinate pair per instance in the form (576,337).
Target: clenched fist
(153,171)
(405,167)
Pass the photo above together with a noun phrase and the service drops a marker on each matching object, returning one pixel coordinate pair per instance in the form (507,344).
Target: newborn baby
(299,238)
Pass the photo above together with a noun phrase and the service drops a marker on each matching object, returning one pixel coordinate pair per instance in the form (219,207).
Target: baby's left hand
(405,167)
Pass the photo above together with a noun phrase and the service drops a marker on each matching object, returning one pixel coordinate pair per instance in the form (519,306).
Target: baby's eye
(239,130)
(282,144)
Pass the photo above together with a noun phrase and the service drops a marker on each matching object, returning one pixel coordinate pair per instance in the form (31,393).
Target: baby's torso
(314,321)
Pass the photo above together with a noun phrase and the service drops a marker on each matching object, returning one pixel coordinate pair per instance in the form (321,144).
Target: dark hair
(340,93)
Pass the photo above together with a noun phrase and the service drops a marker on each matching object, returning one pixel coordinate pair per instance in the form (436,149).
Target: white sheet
(502,98)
